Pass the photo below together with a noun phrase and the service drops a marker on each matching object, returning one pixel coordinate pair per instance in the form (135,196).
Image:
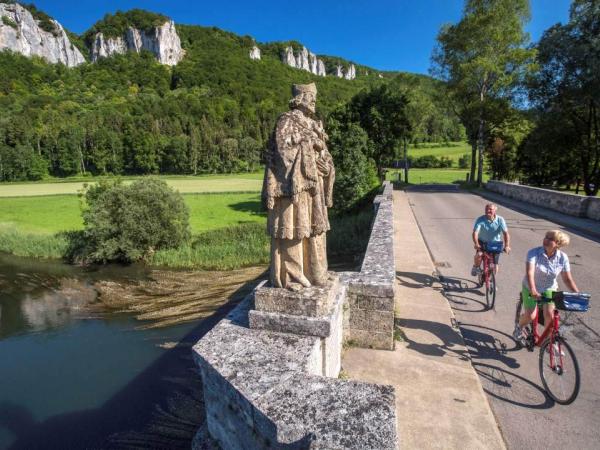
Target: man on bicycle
(489,228)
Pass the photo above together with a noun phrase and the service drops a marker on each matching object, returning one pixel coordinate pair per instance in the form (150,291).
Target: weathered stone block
(375,303)
(371,339)
(593,208)
(381,321)
(314,301)
(286,323)
(341,414)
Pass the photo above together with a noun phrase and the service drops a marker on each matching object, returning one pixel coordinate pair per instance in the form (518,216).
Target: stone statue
(297,191)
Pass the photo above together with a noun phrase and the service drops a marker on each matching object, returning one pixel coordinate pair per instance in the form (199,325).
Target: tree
(483,57)
(567,87)
(381,112)
(129,223)
(509,130)
(355,174)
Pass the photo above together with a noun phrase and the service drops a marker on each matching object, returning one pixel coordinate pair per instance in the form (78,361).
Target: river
(74,374)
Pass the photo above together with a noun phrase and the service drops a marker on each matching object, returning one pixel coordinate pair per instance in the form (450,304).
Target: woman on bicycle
(542,267)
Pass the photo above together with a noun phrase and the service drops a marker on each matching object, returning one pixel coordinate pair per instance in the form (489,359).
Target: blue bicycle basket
(494,247)
(572,301)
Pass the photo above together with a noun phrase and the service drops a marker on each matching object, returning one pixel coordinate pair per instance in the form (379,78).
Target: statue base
(315,311)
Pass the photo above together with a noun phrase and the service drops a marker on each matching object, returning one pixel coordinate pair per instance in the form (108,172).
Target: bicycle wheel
(561,381)
(490,290)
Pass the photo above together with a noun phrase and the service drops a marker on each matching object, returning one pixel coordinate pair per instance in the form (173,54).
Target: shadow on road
(463,294)
(492,357)
(451,341)
(415,280)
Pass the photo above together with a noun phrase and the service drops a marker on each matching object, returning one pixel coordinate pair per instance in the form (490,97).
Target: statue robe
(297,196)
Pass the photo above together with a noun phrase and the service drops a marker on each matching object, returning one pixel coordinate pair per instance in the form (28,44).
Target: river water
(74,377)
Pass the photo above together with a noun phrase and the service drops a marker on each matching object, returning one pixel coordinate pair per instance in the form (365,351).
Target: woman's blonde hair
(561,238)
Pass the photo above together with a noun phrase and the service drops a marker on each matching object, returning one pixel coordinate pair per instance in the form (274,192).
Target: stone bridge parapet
(571,204)
(271,379)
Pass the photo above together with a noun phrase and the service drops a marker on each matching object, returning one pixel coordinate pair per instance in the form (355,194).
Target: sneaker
(518,333)
(475,271)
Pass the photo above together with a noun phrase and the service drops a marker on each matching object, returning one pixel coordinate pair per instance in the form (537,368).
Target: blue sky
(383,34)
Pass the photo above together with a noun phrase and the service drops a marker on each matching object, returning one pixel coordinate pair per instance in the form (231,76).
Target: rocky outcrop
(162,41)
(20,32)
(348,74)
(304,60)
(255,52)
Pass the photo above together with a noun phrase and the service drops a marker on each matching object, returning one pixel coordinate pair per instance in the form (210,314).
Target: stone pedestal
(314,311)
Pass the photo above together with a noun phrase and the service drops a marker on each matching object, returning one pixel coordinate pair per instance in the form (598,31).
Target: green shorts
(529,301)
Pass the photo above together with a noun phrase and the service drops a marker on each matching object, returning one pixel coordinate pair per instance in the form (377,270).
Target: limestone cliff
(255,52)
(21,33)
(163,41)
(348,74)
(305,60)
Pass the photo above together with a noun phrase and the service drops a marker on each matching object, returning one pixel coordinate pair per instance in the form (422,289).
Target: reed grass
(20,243)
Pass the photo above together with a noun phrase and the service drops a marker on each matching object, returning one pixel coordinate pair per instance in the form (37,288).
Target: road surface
(527,417)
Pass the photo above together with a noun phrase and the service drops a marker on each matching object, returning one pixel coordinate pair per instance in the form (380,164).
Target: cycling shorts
(495,255)
(529,301)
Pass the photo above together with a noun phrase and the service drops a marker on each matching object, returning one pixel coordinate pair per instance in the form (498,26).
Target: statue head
(305,97)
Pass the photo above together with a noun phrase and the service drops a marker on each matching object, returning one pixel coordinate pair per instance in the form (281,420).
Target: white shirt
(546,269)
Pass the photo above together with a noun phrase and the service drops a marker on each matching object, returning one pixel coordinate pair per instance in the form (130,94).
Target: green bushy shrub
(129,223)
(464,162)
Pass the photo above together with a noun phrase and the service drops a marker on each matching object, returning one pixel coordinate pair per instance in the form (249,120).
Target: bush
(9,22)
(355,174)
(430,162)
(464,162)
(129,223)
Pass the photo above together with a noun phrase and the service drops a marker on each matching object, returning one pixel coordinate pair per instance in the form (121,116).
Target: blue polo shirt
(490,231)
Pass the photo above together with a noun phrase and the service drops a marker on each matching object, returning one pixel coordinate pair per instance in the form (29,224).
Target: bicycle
(558,365)
(487,274)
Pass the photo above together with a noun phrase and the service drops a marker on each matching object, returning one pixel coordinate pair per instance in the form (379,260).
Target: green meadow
(185,184)
(56,213)
(452,150)
(428,176)
(228,230)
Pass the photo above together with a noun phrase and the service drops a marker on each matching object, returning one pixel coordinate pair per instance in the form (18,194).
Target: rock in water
(20,32)
(162,41)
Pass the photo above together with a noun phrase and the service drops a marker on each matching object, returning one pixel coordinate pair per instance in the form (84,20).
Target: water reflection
(58,307)
(103,382)
(38,296)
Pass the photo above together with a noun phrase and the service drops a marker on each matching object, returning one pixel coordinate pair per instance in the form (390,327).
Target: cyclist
(489,228)
(542,267)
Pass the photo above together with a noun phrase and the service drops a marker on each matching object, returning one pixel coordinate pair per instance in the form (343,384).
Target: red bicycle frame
(487,262)
(551,331)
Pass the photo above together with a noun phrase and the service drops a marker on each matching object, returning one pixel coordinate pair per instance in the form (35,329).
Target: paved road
(510,377)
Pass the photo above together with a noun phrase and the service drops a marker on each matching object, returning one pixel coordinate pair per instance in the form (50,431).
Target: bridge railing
(571,204)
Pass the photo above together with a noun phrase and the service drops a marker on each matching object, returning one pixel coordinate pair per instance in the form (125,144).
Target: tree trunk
(473,161)
(480,149)
(405,162)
